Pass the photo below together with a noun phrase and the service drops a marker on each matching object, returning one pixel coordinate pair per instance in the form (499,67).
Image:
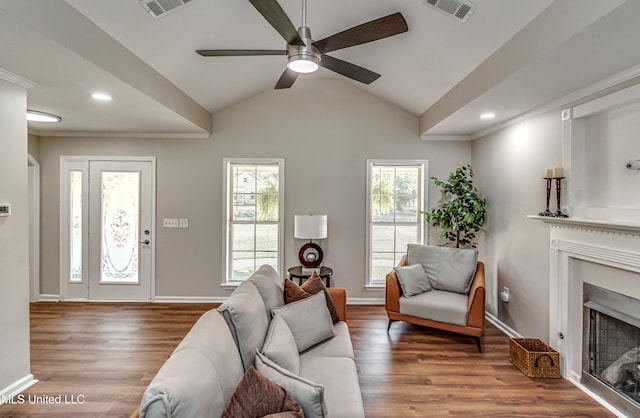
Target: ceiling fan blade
(273,13)
(347,69)
(367,32)
(239,52)
(287,79)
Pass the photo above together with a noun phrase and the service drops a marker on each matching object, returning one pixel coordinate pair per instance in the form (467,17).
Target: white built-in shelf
(602,224)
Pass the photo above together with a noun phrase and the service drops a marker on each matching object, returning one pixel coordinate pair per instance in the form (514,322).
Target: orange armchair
(475,320)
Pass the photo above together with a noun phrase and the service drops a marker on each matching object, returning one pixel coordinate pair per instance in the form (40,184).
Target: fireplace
(611,347)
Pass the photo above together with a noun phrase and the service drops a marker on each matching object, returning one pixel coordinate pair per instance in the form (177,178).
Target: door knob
(146,242)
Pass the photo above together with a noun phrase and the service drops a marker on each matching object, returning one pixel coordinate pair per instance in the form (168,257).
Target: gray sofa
(199,378)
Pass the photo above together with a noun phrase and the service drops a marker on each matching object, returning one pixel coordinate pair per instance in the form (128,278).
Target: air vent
(159,8)
(461,10)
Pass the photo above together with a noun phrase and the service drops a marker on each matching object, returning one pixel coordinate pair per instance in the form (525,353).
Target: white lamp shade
(310,226)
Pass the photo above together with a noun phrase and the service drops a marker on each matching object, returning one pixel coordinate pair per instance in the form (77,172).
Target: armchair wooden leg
(391,321)
(477,339)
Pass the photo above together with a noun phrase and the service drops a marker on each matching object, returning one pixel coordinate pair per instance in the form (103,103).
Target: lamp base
(310,255)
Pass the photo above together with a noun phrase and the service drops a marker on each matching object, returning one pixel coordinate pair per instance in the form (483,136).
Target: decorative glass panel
(119,242)
(75,259)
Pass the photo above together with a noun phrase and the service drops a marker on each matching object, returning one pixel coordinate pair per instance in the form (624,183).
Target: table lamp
(310,227)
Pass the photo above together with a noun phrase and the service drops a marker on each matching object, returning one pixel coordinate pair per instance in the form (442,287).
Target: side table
(296,272)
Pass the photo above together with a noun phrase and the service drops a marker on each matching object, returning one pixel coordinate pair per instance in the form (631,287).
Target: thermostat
(5,209)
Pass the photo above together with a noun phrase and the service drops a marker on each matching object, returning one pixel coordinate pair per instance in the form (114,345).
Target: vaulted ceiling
(509,57)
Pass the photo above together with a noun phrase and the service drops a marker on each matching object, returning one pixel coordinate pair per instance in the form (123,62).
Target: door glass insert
(75,261)
(119,230)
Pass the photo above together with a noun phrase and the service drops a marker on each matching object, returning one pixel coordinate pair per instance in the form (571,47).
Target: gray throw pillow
(450,269)
(308,394)
(308,319)
(245,315)
(413,279)
(280,346)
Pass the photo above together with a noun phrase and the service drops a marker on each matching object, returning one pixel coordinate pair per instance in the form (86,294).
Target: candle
(558,172)
(548,173)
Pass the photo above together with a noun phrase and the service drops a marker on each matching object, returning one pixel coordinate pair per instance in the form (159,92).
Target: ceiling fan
(305,55)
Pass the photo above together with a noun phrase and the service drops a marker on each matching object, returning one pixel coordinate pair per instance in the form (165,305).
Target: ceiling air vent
(159,8)
(460,9)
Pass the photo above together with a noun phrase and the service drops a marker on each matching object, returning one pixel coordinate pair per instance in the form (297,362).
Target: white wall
(14,267)
(613,138)
(509,167)
(324,129)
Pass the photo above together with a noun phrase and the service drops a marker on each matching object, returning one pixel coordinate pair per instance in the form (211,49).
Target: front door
(120,227)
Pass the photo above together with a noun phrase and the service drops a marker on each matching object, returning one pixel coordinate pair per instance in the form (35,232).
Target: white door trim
(34,228)
(65,162)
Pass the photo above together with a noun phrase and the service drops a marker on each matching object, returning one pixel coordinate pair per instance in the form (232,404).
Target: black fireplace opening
(611,344)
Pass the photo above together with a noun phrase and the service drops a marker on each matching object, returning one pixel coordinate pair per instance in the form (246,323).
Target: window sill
(375,287)
(230,285)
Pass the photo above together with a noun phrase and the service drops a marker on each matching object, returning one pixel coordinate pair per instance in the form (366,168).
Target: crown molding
(16,79)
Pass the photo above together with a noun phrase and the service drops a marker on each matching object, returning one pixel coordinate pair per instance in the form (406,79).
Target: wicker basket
(534,358)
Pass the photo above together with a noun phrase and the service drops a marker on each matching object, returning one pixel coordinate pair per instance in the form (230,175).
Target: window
(253,212)
(396,196)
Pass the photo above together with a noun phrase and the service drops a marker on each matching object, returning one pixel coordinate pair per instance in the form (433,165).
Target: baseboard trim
(365,301)
(17,387)
(189,299)
(502,326)
(575,379)
(49,298)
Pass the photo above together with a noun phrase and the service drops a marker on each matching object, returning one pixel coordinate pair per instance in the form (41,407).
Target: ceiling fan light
(303,64)
(36,116)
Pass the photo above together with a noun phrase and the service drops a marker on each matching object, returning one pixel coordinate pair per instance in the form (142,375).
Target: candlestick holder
(547,212)
(559,213)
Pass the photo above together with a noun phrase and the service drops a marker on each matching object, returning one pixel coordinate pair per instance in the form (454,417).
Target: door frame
(34,228)
(66,163)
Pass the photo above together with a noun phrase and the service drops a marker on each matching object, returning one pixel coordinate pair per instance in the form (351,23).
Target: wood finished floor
(108,353)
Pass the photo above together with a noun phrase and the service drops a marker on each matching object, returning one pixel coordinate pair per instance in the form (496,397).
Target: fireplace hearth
(611,347)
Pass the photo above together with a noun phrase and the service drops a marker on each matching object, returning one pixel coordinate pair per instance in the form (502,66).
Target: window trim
(371,163)
(227,197)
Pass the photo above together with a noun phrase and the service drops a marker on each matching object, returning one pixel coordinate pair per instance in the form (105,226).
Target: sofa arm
(339,296)
(393,291)
(136,414)
(476,307)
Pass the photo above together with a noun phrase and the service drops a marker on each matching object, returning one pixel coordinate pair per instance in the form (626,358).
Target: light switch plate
(184,223)
(5,209)
(170,223)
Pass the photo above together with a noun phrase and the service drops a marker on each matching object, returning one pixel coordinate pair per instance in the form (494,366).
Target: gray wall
(509,166)
(325,131)
(14,263)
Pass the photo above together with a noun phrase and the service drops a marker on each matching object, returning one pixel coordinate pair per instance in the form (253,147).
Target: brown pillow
(257,396)
(313,285)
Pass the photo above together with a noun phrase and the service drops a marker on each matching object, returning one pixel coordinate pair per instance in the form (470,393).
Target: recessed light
(101,96)
(487,115)
(36,116)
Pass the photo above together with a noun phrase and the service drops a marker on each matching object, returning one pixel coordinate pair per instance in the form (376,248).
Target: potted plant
(462,212)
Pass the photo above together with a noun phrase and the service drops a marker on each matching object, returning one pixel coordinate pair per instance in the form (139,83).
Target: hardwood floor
(105,354)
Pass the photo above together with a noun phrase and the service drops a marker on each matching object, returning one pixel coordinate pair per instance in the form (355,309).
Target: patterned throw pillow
(256,396)
(313,285)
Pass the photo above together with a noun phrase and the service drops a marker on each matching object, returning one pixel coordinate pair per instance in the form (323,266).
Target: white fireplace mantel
(605,243)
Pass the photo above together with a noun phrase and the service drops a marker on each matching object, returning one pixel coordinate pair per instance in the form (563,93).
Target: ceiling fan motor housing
(306,52)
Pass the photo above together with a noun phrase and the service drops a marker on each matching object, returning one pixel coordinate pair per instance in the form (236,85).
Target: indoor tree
(461,213)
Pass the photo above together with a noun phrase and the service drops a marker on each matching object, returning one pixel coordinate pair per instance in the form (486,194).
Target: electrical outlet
(504,295)
(170,223)
(184,223)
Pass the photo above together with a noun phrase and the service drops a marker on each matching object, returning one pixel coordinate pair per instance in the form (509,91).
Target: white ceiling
(511,56)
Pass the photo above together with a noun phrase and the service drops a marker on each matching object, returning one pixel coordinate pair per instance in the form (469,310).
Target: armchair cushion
(449,269)
(413,279)
(437,305)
